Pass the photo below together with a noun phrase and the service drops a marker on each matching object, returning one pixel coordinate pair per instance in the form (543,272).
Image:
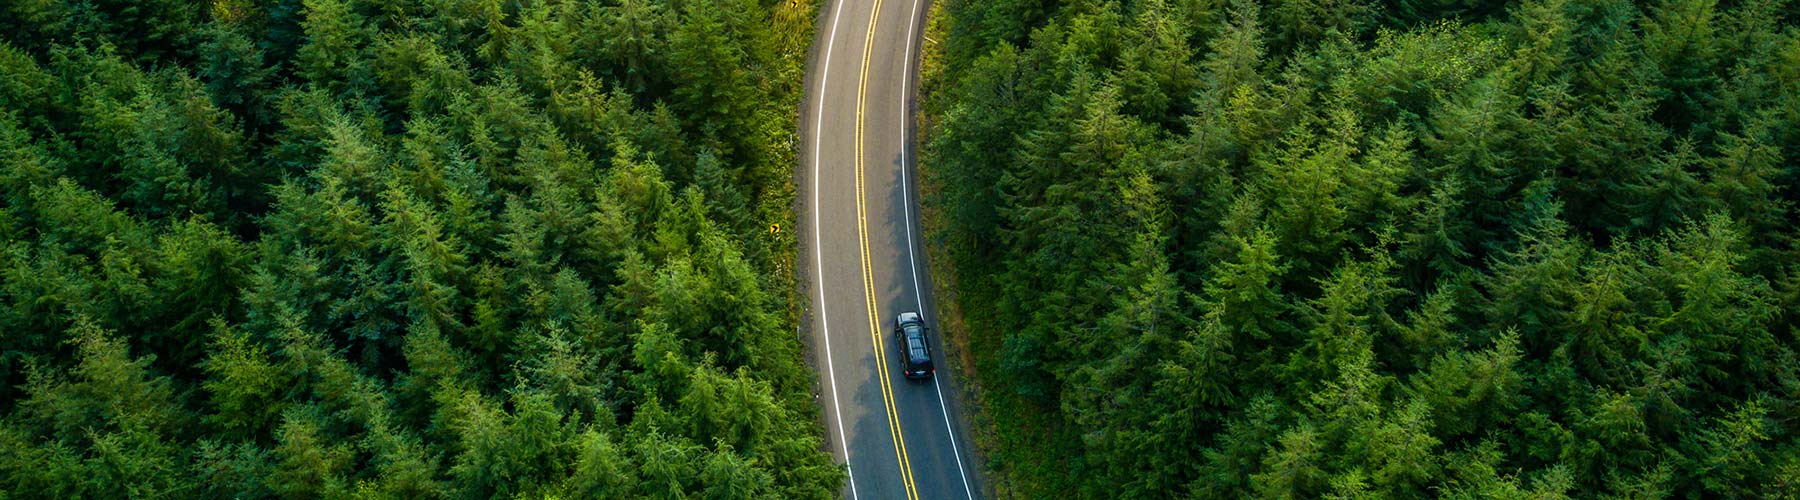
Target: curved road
(900,438)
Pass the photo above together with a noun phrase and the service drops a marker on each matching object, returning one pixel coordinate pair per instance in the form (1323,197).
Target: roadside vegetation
(1375,249)
(402,249)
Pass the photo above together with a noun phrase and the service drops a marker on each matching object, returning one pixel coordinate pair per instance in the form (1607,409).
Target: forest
(1374,248)
(402,249)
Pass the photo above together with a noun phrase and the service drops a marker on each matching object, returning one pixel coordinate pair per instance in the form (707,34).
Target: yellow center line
(862,231)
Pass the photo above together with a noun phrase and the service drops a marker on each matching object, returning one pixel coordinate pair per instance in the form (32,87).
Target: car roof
(917,350)
(916,347)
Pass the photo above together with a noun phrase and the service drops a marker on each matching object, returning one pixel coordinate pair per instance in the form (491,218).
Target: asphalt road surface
(863,259)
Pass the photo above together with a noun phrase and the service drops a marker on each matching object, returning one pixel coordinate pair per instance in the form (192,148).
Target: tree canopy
(1376,248)
(401,249)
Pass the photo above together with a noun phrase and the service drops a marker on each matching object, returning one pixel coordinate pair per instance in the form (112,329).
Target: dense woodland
(1376,248)
(401,249)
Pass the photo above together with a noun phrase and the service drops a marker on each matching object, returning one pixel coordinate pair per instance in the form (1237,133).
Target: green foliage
(1375,249)
(425,249)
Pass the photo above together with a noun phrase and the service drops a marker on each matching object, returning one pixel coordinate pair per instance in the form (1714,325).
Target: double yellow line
(868,271)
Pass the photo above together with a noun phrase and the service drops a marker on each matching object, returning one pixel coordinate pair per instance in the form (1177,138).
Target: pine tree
(243,383)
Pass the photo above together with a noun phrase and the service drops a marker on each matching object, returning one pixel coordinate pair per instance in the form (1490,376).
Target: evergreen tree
(1422,248)
(353,249)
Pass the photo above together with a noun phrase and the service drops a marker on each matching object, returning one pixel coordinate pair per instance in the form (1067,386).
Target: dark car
(915,353)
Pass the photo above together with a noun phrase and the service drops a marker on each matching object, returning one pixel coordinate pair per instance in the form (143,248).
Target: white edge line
(906,200)
(819,251)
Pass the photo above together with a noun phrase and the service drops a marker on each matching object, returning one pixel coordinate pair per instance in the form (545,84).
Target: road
(863,259)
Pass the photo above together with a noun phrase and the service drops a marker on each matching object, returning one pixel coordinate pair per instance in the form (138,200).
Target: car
(915,352)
